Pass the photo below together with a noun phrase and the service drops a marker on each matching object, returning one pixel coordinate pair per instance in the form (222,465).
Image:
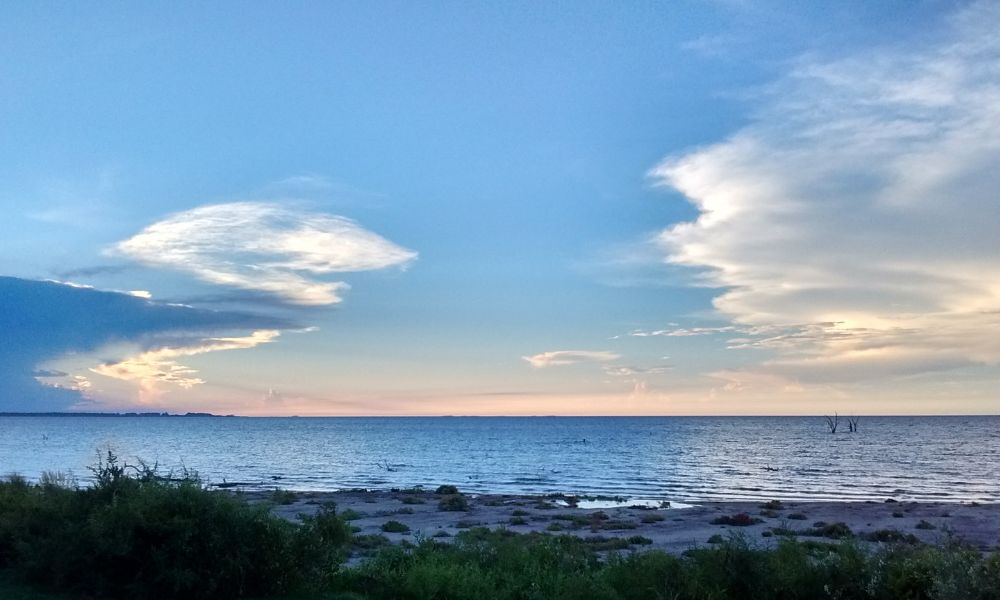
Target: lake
(662,458)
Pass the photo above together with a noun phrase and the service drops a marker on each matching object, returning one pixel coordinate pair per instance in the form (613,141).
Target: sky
(519,208)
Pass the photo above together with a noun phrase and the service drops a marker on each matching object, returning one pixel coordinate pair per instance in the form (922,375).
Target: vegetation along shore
(136,534)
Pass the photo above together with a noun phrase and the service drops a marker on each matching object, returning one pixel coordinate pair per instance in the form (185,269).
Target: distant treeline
(106,414)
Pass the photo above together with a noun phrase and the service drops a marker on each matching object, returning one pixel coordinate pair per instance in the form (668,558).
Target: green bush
(446,490)
(834,531)
(351,515)
(453,502)
(395,527)
(495,564)
(475,563)
(134,534)
(737,520)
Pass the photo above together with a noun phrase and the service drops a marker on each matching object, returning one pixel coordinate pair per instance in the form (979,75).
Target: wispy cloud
(93,271)
(265,247)
(631,371)
(559,358)
(152,368)
(859,214)
(683,331)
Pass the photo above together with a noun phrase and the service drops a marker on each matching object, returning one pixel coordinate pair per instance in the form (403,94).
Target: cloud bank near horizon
(265,247)
(852,228)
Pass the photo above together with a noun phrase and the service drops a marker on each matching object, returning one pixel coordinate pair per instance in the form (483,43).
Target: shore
(671,527)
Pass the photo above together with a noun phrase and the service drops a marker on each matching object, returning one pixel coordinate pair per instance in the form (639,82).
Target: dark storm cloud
(41,320)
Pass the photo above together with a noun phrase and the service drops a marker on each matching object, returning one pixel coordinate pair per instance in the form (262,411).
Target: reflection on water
(675,459)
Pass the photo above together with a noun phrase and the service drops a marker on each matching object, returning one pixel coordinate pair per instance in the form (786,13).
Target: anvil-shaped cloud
(42,320)
(266,247)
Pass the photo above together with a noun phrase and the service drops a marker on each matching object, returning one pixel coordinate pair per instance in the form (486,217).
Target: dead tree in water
(832,423)
(852,423)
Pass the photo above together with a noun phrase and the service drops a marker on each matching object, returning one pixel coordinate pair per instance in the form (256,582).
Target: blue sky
(517,208)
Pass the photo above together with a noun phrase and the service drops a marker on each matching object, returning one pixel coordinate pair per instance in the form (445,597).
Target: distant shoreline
(107,414)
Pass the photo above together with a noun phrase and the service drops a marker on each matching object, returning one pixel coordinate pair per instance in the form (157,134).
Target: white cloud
(683,331)
(265,247)
(152,368)
(858,216)
(569,357)
(628,371)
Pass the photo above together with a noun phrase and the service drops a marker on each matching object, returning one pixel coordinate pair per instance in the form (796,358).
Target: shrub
(737,520)
(890,536)
(395,527)
(135,534)
(446,490)
(412,500)
(504,565)
(453,502)
(784,531)
(773,505)
(518,521)
(351,515)
(284,497)
(519,513)
(925,525)
(834,531)
(796,516)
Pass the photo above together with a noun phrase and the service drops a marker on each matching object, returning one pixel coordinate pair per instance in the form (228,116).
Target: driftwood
(852,423)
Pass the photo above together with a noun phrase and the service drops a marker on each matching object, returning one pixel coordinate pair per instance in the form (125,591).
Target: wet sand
(674,528)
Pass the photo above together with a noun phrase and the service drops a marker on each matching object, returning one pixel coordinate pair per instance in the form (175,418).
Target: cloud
(569,357)
(856,219)
(683,331)
(629,371)
(93,271)
(44,320)
(151,368)
(265,247)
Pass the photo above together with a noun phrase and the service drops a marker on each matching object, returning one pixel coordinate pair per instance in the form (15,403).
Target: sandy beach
(673,528)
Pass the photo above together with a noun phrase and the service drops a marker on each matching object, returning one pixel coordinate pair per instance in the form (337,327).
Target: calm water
(923,458)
